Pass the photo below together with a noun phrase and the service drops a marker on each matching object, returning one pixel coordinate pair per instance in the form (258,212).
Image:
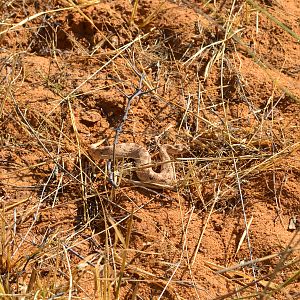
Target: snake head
(179,147)
(174,149)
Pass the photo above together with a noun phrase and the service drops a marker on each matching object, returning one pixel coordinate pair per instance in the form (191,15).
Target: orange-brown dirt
(223,79)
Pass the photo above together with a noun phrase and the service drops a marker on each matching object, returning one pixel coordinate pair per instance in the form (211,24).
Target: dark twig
(138,93)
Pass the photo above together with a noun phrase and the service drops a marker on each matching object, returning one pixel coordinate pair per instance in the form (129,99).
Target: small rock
(293,224)
(90,116)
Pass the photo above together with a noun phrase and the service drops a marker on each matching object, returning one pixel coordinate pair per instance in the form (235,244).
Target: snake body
(142,158)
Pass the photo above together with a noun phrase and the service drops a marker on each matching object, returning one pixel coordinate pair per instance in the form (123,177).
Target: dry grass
(68,234)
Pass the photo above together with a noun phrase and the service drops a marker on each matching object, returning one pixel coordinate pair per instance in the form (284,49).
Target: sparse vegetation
(222,79)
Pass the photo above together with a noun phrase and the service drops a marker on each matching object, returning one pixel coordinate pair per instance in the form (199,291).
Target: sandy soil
(223,79)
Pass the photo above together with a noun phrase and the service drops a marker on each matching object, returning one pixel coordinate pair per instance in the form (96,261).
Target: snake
(144,171)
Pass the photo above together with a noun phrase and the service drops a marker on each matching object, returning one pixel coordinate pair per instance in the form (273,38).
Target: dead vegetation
(222,79)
